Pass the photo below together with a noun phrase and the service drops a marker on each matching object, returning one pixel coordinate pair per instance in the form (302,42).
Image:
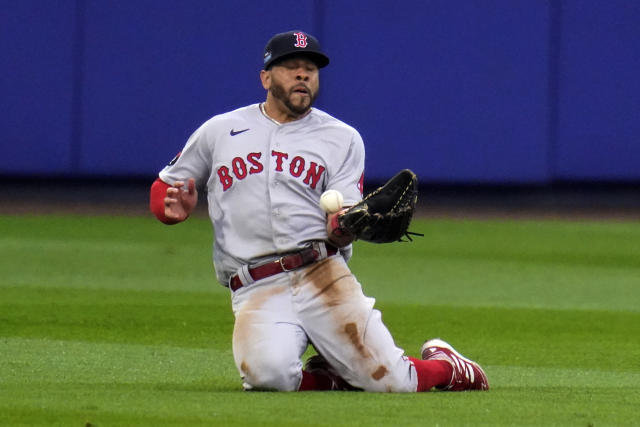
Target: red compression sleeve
(156,200)
(432,373)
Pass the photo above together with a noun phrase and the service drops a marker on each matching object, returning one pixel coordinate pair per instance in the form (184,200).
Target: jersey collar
(264,113)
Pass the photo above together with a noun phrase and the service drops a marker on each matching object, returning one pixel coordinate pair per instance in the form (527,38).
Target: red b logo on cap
(301,40)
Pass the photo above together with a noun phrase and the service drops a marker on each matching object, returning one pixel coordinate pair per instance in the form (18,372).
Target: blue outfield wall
(495,91)
(37,86)
(598,131)
(454,90)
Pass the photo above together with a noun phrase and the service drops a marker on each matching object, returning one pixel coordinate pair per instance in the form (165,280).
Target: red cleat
(467,374)
(318,365)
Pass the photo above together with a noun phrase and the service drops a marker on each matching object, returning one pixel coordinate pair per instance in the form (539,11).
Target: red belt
(282,264)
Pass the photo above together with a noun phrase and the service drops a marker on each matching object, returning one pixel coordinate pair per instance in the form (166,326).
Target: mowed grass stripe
(491,283)
(520,377)
(133,404)
(542,264)
(551,242)
(185,319)
(103,252)
(45,361)
(102,228)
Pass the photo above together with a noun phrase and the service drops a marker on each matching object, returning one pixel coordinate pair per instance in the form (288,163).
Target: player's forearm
(156,201)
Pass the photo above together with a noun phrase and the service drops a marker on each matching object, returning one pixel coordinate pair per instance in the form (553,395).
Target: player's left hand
(179,203)
(339,237)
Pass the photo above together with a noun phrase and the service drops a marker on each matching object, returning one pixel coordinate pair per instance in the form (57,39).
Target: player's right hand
(339,237)
(180,202)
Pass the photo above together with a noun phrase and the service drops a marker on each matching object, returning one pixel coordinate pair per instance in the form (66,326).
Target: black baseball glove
(384,215)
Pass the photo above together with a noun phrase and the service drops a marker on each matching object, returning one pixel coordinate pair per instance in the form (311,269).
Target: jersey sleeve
(192,162)
(348,179)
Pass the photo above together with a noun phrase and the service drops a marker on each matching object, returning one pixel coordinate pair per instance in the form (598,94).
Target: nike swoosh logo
(234,133)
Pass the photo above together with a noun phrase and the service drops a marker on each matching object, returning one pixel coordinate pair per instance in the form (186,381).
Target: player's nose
(302,73)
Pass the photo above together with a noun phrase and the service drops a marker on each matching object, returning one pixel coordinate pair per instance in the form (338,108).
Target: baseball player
(284,260)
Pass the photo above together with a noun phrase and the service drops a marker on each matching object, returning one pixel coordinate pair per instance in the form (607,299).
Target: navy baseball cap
(292,43)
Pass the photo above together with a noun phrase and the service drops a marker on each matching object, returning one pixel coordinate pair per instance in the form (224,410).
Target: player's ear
(265,78)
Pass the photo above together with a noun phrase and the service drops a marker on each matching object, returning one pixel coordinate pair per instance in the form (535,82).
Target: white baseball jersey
(264,180)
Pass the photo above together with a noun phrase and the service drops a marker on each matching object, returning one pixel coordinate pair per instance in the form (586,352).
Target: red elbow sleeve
(156,200)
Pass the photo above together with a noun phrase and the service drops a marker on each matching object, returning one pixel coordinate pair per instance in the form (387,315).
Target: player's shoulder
(327,120)
(230,118)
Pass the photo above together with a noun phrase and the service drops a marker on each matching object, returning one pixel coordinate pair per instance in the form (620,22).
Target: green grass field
(119,321)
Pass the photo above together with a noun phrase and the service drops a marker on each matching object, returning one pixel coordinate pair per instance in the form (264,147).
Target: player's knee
(272,373)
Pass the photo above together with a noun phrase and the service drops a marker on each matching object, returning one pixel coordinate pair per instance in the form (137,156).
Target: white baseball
(331,201)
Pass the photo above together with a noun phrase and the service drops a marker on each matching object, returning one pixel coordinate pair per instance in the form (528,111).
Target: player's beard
(279,93)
